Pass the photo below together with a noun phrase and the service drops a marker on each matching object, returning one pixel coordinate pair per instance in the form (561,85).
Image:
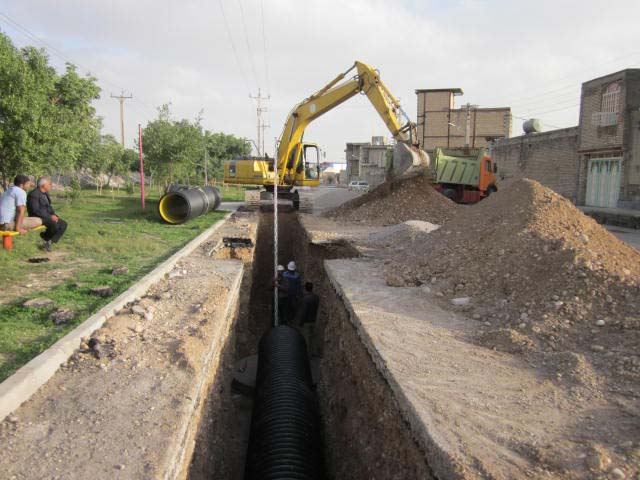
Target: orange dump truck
(465,175)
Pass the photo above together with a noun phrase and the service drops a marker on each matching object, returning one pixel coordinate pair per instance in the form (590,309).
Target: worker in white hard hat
(294,290)
(282,285)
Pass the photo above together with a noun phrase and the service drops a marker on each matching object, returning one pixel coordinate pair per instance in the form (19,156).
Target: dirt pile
(533,264)
(395,202)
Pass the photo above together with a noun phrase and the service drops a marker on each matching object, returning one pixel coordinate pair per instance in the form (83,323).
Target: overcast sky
(530,55)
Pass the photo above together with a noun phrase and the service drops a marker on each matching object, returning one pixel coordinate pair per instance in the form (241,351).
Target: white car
(358,186)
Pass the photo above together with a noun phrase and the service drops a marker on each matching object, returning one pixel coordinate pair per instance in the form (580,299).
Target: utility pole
(467,126)
(121,98)
(261,127)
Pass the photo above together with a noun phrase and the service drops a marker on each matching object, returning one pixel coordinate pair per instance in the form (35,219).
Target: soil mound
(397,201)
(407,232)
(532,262)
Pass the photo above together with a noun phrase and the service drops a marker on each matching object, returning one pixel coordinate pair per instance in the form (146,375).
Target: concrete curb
(19,387)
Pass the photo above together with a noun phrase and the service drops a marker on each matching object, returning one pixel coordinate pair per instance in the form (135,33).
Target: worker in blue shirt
(294,290)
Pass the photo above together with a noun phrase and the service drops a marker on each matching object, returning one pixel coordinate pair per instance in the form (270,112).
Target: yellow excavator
(298,162)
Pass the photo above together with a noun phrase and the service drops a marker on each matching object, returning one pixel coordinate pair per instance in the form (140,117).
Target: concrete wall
(550,158)
(367,162)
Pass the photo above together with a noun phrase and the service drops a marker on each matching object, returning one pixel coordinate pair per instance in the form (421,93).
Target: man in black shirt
(307,315)
(39,205)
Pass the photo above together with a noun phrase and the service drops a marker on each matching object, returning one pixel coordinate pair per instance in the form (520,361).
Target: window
(487,165)
(611,98)
(311,162)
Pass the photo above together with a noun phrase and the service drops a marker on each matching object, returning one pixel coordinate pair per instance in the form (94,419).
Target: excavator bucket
(409,160)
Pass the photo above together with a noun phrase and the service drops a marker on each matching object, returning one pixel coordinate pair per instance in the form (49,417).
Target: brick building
(440,124)
(596,163)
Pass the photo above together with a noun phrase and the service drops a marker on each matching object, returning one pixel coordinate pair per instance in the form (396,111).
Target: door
(603,182)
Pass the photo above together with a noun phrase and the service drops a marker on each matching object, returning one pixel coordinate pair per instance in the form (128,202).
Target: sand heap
(395,202)
(539,273)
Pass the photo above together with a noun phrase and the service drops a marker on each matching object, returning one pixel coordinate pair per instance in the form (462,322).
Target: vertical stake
(141,166)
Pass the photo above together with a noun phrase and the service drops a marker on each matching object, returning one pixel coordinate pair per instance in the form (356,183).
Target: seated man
(39,205)
(13,207)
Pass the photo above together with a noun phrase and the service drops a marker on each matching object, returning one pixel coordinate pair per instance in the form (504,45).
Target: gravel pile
(403,233)
(397,201)
(540,276)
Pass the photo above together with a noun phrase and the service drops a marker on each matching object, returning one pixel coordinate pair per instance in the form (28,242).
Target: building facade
(368,161)
(440,124)
(596,163)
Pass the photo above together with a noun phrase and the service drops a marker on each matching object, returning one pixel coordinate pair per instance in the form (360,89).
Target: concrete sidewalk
(621,217)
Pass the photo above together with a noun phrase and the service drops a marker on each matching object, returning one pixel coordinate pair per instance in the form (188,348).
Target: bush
(73,190)
(129,187)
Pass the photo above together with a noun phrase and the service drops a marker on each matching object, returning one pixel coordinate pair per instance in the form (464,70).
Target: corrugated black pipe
(180,203)
(285,426)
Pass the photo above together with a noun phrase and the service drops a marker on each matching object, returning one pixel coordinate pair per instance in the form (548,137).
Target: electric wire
(56,52)
(233,47)
(246,38)
(264,49)
(512,96)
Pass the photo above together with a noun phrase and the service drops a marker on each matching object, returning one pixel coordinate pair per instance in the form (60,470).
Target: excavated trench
(364,435)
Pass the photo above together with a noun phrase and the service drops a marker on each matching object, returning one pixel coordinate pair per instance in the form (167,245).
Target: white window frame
(611,98)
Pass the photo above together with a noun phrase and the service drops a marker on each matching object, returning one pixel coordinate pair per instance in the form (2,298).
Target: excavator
(298,162)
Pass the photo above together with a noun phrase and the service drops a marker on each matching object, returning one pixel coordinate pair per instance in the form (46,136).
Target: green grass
(232,193)
(104,231)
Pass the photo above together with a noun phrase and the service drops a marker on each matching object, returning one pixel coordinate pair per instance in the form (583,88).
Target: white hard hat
(292,265)
(280,268)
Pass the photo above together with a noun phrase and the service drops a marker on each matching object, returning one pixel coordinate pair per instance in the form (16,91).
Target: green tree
(46,119)
(221,147)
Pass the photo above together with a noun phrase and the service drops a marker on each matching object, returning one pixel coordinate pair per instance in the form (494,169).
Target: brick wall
(550,158)
(440,125)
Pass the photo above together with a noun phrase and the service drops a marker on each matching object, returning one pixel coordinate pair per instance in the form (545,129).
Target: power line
(264,47)
(246,38)
(555,110)
(53,50)
(233,47)
(574,74)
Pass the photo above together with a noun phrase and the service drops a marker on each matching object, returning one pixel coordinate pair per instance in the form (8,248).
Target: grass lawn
(104,231)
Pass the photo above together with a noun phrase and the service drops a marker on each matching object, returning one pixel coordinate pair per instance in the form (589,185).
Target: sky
(210,56)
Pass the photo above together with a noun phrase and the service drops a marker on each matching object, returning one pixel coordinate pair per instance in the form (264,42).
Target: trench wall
(364,434)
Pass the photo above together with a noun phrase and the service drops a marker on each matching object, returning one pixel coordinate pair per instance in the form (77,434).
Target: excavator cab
(303,165)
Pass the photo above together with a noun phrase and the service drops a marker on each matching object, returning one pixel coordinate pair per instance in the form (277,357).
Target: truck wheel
(490,190)
(450,194)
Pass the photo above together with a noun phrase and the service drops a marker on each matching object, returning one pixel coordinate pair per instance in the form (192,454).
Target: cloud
(499,52)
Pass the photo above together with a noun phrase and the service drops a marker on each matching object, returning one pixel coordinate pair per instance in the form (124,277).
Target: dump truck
(465,175)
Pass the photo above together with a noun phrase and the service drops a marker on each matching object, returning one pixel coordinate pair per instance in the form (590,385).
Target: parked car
(358,186)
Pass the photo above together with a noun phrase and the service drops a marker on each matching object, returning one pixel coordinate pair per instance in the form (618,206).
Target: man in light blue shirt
(13,207)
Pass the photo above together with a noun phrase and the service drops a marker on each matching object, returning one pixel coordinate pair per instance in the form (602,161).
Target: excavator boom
(297,160)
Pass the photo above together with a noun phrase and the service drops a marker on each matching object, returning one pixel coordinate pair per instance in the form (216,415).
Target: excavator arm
(366,81)
(294,157)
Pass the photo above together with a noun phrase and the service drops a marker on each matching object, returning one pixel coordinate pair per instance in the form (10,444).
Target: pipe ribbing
(285,426)
(180,203)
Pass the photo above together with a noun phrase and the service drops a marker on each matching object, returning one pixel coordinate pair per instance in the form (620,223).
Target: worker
(39,205)
(13,207)
(282,285)
(294,289)
(307,315)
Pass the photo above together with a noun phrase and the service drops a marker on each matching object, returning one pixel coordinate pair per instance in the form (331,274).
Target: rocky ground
(537,280)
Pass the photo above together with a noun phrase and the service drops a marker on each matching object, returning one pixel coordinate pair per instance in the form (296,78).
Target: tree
(221,147)
(46,119)
(173,150)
